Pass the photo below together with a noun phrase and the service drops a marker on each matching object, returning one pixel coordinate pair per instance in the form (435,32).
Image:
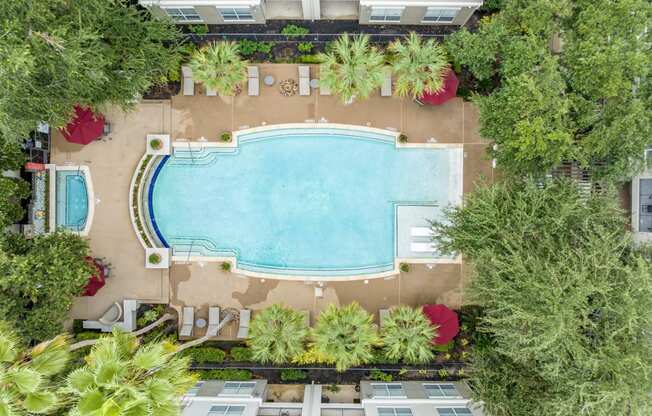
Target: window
(195,389)
(387,390)
(237,388)
(454,411)
(394,411)
(435,390)
(236,14)
(226,410)
(386,14)
(436,14)
(183,14)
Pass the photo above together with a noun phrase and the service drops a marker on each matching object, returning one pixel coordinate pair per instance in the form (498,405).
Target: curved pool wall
(297,201)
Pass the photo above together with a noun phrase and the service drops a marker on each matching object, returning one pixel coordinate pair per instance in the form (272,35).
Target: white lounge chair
(386,88)
(211,92)
(253,81)
(304,80)
(188,321)
(213,321)
(421,232)
(243,330)
(323,89)
(423,247)
(188,82)
(383,314)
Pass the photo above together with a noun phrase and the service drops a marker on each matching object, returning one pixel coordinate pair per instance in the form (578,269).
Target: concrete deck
(112,163)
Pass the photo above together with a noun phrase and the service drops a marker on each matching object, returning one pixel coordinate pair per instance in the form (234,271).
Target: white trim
(177,3)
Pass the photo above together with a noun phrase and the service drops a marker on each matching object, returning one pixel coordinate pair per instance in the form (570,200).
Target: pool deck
(112,162)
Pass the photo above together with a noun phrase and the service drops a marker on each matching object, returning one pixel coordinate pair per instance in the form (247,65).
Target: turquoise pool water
(317,201)
(72,200)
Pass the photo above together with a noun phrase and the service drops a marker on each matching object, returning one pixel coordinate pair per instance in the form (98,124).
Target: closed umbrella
(85,127)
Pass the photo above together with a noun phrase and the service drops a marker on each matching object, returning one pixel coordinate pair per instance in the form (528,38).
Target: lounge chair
(213,321)
(211,92)
(304,80)
(421,232)
(188,321)
(383,314)
(386,88)
(323,89)
(423,247)
(243,330)
(188,82)
(112,317)
(253,81)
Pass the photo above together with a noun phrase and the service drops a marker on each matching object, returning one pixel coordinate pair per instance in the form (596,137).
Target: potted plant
(226,266)
(404,267)
(156,144)
(226,136)
(402,138)
(154,258)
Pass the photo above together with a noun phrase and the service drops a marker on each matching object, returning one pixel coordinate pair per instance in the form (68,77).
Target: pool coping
(90,194)
(234,143)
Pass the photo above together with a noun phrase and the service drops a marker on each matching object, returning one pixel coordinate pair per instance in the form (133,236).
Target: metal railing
(310,37)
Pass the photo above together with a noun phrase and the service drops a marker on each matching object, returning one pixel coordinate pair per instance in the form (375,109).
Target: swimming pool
(71,200)
(308,201)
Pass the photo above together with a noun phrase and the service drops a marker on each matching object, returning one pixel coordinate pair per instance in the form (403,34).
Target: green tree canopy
(123,378)
(419,66)
(567,300)
(599,105)
(407,336)
(352,68)
(40,278)
(27,376)
(55,54)
(276,334)
(13,190)
(345,335)
(219,66)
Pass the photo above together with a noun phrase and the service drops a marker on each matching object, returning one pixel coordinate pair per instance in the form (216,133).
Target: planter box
(165,144)
(164,254)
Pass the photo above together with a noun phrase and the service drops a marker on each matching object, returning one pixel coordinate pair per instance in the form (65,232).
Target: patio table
(269,80)
(314,83)
(200,323)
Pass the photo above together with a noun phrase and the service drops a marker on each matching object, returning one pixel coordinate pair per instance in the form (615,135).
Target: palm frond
(407,335)
(277,334)
(219,67)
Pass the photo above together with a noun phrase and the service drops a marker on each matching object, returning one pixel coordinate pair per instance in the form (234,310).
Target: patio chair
(253,81)
(383,314)
(213,321)
(211,92)
(386,88)
(304,80)
(245,317)
(422,247)
(188,321)
(188,82)
(324,90)
(421,232)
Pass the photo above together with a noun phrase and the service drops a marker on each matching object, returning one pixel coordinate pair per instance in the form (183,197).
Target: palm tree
(277,334)
(419,67)
(407,335)
(352,68)
(122,377)
(26,376)
(219,67)
(346,335)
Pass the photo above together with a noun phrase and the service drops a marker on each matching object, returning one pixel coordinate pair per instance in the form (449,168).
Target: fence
(311,37)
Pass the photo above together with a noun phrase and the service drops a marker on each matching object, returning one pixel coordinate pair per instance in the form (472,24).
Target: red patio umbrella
(445,319)
(85,127)
(97,280)
(449,91)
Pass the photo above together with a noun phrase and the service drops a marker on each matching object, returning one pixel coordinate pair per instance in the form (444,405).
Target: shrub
(148,317)
(292,374)
(404,267)
(86,335)
(379,357)
(305,47)
(378,375)
(443,347)
(154,258)
(310,59)
(226,137)
(265,47)
(294,30)
(205,354)
(312,356)
(231,374)
(240,354)
(247,47)
(156,144)
(407,334)
(198,29)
